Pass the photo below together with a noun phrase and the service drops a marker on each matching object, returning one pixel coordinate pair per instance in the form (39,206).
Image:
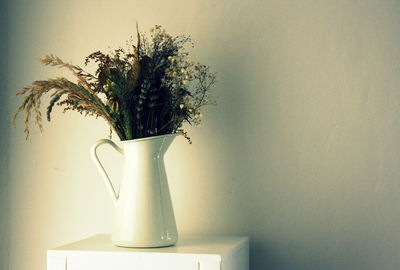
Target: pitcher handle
(104,175)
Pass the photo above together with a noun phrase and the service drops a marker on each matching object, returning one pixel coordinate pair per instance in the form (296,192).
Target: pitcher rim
(152,137)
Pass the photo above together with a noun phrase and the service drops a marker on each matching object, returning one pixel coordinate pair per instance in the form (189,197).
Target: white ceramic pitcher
(144,216)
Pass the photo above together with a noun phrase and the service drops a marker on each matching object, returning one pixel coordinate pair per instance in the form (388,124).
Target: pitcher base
(143,244)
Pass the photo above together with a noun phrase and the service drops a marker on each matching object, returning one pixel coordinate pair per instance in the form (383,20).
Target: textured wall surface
(302,153)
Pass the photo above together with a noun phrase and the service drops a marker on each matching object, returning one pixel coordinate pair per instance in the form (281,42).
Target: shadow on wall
(286,211)
(250,160)
(242,144)
(264,193)
(4,134)
(255,173)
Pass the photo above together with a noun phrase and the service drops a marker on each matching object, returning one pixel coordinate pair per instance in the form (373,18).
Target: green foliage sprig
(150,89)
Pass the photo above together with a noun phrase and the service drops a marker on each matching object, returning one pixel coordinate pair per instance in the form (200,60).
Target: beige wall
(301,154)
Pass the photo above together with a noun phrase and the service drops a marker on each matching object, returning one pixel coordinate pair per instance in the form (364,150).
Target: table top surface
(200,244)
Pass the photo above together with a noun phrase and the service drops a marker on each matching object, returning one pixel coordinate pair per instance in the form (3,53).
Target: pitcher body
(143,214)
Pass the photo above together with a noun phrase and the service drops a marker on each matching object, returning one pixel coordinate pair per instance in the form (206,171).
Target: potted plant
(144,93)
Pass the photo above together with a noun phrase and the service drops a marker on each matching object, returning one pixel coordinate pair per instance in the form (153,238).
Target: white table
(190,253)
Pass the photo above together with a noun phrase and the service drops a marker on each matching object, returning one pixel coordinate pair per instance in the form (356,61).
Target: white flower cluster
(179,73)
(189,82)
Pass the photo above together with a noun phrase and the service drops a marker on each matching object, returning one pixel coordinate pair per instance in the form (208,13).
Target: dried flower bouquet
(148,90)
